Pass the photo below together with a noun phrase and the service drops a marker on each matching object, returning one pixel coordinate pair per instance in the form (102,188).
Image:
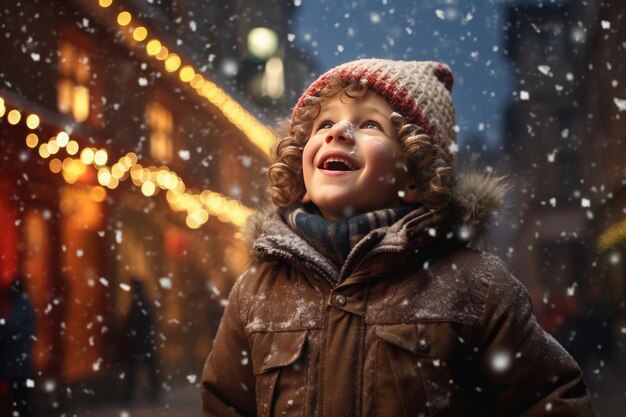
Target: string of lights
(611,236)
(256,132)
(151,179)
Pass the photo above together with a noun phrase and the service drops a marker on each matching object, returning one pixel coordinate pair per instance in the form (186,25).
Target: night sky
(468,36)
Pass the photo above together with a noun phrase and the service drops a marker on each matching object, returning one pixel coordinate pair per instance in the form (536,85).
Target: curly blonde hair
(427,159)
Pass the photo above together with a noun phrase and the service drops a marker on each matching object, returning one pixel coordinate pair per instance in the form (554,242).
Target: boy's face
(353,162)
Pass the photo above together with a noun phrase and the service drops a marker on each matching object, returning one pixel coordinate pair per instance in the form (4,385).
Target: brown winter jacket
(419,326)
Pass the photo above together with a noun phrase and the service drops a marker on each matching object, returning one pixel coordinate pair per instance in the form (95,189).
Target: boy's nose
(342,132)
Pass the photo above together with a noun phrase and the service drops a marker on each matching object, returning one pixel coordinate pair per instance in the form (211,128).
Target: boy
(363,299)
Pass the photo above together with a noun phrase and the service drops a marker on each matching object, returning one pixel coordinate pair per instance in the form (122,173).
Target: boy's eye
(325,124)
(370,124)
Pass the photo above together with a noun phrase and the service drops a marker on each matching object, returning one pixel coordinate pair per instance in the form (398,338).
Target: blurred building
(542,137)
(564,137)
(133,145)
(605,147)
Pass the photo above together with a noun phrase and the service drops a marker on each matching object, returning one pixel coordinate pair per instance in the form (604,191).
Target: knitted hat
(418,90)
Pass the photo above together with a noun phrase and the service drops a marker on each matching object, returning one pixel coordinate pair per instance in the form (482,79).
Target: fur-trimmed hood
(477,199)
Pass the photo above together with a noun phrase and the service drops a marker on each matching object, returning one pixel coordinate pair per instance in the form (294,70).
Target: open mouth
(337,164)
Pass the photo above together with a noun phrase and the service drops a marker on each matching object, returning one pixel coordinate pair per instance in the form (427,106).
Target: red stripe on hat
(398,96)
(401,101)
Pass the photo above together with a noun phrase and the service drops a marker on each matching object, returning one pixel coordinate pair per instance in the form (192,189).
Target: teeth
(343,161)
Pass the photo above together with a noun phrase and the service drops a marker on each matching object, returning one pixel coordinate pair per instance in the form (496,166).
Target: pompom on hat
(418,90)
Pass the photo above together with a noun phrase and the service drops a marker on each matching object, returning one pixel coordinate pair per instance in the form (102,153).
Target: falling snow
(184,154)
(544,69)
(501,361)
(524,95)
(620,103)
(562,151)
(165,283)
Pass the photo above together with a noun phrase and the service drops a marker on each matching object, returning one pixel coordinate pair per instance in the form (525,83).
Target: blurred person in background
(140,342)
(17,325)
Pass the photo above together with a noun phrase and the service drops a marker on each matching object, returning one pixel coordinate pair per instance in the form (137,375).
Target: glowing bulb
(201,215)
(197,81)
(132,157)
(56,165)
(124,18)
(207,89)
(105,3)
(32,121)
(124,163)
(172,63)
(180,186)
(87,155)
(100,157)
(153,47)
(162,176)
(140,33)
(32,140)
(72,147)
(43,150)
(53,146)
(162,54)
(186,74)
(171,181)
(191,222)
(14,117)
(197,218)
(63,139)
(171,198)
(104,176)
(148,188)
(113,183)
(117,171)
(135,172)
(183,201)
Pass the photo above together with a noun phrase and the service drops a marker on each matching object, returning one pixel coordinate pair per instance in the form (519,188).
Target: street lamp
(262,43)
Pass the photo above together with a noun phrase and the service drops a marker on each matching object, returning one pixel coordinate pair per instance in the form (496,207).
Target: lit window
(273,83)
(74,73)
(161,124)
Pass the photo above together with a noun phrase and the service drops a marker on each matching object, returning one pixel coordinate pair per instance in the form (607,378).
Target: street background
(136,136)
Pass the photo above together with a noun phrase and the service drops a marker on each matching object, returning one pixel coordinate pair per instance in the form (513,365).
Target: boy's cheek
(309,151)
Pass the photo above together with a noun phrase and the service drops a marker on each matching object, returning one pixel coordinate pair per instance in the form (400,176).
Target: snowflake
(620,103)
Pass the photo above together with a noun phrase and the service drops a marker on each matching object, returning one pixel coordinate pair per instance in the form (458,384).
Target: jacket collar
(278,240)
(476,198)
